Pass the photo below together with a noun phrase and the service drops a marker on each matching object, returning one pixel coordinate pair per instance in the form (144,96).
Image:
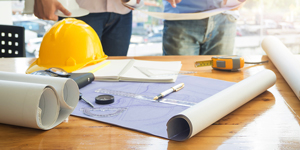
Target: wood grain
(269,121)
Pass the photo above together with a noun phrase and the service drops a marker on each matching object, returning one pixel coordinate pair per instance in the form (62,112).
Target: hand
(45,9)
(174,2)
(237,8)
(137,1)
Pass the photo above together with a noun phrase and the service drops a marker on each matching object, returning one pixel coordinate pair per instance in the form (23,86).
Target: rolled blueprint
(22,103)
(193,120)
(28,7)
(36,101)
(133,3)
(231,4)
(285,62)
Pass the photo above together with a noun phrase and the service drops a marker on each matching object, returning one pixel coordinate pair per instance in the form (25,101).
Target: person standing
(111,20)
(210,36)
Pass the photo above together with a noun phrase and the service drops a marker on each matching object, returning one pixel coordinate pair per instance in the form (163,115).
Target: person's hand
(237,8)
(174,2)
(137,1)
(45,9)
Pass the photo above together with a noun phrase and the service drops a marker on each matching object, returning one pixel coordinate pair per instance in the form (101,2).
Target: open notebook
(136,70)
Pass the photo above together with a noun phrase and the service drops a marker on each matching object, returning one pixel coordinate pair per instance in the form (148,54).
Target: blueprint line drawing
(103,112)
(214,98)
(150,116)
(146,97)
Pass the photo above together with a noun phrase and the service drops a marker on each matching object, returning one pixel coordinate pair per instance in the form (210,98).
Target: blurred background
(258,18)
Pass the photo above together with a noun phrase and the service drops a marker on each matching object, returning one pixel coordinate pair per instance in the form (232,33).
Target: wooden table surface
(268,122)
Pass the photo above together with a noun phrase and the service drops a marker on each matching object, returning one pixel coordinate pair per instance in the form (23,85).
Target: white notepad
(136,70)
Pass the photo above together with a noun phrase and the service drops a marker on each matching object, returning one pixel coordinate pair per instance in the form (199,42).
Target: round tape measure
(104,99)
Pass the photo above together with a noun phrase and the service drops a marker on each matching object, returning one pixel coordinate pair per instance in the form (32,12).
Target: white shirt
(97,6)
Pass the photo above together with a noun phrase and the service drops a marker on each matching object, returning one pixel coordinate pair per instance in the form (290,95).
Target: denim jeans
(114,31)
(211,36)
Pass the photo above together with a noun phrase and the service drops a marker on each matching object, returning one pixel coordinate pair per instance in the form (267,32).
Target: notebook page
(155,67)
(110,71)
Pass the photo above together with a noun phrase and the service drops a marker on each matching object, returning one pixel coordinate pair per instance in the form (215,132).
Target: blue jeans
(113,29)
(211,36)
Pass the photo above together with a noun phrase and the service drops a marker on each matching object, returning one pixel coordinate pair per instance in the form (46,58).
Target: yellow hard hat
(70,44)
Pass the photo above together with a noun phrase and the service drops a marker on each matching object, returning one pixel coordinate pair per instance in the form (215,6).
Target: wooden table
(270,121)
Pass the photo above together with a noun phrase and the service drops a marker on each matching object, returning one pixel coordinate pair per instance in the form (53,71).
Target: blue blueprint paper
(147,116)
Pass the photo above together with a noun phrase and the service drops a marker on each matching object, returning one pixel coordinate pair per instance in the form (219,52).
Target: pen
(81,98)
(172,89)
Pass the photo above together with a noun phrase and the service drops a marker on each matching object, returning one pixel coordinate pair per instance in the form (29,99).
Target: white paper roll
(195,119)
(133,3)
(73,7)
(285,61)
(231,4)
(28,104)
(29,7)
(36,101)
(64,87)
(234,2)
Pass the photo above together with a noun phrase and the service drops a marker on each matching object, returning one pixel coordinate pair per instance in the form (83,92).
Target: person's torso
(97,6)
(191,6)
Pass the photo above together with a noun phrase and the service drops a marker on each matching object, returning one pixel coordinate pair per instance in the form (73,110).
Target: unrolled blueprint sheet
(147,116)
(217,98)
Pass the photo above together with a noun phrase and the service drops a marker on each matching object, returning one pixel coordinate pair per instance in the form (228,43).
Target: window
(258,19)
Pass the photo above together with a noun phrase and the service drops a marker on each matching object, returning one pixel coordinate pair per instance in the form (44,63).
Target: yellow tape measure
(231,63)
(203,63)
